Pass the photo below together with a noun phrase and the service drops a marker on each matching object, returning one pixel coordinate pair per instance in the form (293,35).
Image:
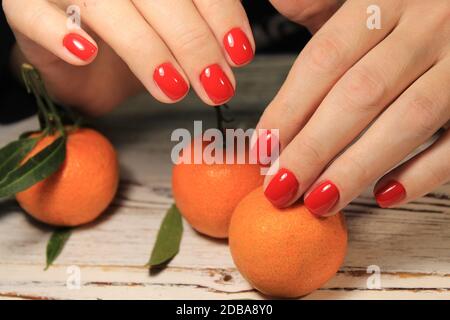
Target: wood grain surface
(410,245)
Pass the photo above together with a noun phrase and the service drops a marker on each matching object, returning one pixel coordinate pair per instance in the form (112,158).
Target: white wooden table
(410,245)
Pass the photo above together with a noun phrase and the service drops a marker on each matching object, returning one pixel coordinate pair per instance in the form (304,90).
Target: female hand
(393,81)
(165,45)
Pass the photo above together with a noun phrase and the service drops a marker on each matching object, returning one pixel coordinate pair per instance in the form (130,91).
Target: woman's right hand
(165,46)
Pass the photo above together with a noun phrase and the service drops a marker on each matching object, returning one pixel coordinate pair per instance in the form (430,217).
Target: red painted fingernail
(238,46)
(79,46)
(170,81)
(322,198)
(271,141)
(216,84)
(282,188)
(390,194)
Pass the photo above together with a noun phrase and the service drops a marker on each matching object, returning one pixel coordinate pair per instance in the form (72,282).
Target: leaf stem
(29,84)
(35,85)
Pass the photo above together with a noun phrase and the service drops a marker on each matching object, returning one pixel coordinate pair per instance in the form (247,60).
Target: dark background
(273,34)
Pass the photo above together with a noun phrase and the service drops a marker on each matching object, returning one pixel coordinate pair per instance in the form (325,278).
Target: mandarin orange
(285,252)
(207,194)
(82,188)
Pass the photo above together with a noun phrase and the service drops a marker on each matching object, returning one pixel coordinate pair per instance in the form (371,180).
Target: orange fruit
(285,252)
(82,188)
(207,194)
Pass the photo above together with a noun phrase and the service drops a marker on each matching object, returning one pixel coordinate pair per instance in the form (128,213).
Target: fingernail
(238,46)
(393,192)
(322,198)
(264,155)
(216,84)
(170,81)
(79,46)
(282,188)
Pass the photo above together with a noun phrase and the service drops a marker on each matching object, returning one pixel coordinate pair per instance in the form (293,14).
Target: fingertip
(389,193)
(81,49)
(282,190)
(173,86)
(219,85)
(323,197)
(240,51)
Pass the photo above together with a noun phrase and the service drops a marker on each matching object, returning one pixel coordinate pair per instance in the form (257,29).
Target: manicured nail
(170,81)
(238,46)
(216,84)
(271,142)
(79,46)
(322,198)
(282,188)
(390,194)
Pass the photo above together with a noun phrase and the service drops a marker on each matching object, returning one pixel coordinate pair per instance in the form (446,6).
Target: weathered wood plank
(182,283)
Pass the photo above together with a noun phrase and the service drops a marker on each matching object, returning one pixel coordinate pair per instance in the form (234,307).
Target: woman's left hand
(393,81)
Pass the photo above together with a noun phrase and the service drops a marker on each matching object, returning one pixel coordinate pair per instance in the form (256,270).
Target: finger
(228,21)
(46,25)
(361,94)
(418,113)
(120,25)
(418,176)
(193,44)
(339,44)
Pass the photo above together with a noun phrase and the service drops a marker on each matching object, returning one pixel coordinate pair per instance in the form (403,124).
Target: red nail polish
(238,46)
(282,188)
(264,155)
(216,84)
(79,46)
(322,198)
(390,194)
(170,81)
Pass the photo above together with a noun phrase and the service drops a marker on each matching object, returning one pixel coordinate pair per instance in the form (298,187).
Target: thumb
(309,13)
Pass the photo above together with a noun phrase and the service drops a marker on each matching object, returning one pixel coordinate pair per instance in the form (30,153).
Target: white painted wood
(409,244)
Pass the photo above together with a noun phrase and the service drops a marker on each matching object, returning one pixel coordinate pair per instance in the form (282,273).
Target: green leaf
(12,154)
(36,169)
(169,237)
(56,244)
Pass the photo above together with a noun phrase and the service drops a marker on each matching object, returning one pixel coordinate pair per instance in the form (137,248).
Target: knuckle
(35,20)
(324,53)
(135,39)
(310,148)
(192,38)
(214,6)
(284,105)
(359,172)
(363,88)
(439,174)
(424,115)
